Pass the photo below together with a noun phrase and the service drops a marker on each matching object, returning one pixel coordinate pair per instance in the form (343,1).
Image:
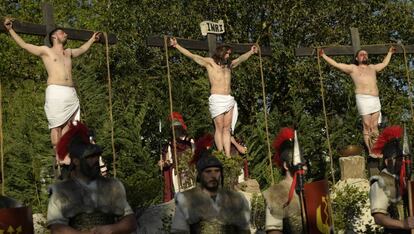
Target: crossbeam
(156,41)
(40,30)
(350,50)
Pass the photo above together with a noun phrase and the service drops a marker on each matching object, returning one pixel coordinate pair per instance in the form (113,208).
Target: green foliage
(231,168)
(348,203)
(258,211)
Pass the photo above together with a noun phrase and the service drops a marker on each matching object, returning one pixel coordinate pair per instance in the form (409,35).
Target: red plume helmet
(389,133)
(202,144)
(178,117)
(75,130)
(285,134)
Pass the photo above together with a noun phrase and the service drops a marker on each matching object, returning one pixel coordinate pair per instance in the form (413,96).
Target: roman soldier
(283,209)
(210,208)
(388,189)
(183,149)
(87,201)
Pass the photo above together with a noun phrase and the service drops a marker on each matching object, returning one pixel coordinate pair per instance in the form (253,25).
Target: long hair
(356,55)
(218,56)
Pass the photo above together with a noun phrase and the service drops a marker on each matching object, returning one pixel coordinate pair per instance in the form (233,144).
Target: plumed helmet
(283,144)
(177,120)
(76,143)
(203,145)
(82,150)
(388,143)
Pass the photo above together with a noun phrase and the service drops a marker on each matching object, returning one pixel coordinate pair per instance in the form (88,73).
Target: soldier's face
(393,165)
(210,178)
(90,166)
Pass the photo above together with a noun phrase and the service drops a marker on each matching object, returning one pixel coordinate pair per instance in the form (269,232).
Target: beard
(211,185)
(91,172)
(363,62)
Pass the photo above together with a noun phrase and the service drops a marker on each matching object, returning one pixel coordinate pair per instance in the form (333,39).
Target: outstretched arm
(33,49)
(244,57)
(197,58)
(388,222)
(378,67)
(347,68)
(85,47)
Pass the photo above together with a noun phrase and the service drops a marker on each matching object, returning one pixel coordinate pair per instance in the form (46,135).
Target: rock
(155,219)
(352,167)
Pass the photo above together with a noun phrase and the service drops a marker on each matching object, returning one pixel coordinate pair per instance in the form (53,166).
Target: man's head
(57,35)
(177,121)
(209,173)
(388,144)
(284,151)
(361,57)
(222,54)
(85,158)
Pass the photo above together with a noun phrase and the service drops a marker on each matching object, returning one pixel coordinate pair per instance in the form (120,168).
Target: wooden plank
(348,50)
(156,41)
(40,30)
(48,20)
(332,51)
(212,43)
(356,41)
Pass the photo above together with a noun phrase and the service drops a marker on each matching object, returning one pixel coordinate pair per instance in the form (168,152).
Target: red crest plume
(203,143)
(177,116)
(74,129)
(285,134)
(388,134)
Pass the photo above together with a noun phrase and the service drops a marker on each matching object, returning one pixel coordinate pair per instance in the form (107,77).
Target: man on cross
(364,76)
(62,103)
(223,107)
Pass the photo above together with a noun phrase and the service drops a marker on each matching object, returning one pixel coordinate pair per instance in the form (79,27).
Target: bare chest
(58,58)
(218,72)
(364,73)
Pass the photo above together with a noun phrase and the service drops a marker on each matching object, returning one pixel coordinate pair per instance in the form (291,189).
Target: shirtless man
(364,76)
(62,103)
(223,107)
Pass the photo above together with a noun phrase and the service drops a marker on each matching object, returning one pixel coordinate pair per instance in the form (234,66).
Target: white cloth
(220,104)
(61,103)
(368,104)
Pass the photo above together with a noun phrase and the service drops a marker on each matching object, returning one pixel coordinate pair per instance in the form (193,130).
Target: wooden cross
(43,30)
(49,25)
(209,45)
(351,50)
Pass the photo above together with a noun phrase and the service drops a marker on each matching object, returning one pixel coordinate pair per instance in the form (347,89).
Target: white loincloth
(368,104)
(220,104)
(61,103)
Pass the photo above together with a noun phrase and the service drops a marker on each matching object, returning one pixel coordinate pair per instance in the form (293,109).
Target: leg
(55,134)
(374,127)
(218,134)
(366,120)
(227,132)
